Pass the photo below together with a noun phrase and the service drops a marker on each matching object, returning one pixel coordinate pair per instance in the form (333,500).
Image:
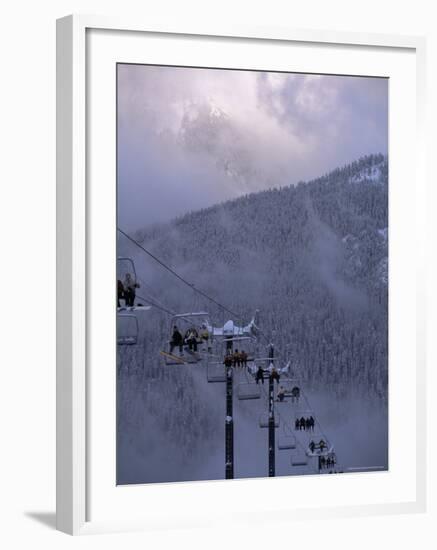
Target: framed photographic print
(240,275)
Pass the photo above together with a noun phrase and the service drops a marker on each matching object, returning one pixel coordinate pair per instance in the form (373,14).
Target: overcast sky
(188,138)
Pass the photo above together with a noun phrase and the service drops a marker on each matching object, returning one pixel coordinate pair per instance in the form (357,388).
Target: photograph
(252,273)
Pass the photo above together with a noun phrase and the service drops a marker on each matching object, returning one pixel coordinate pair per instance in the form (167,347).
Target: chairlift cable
(150,302)
(173,272)
(151,297)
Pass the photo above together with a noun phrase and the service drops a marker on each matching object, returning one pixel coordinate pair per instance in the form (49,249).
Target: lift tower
(271,418)
(229,419)
(229,425)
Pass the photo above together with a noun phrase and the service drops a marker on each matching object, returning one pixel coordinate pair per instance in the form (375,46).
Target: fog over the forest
(189,138)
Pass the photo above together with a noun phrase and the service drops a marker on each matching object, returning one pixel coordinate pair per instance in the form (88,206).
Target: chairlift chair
(288,385)
(317,452)
(286,442)
(172,359)
(248,391)
(215,372)
(200,322)
(125,266)
(127,329)
(304,412)
(264,421)
(299,459)
(241,343)
(133,309)
(298,414)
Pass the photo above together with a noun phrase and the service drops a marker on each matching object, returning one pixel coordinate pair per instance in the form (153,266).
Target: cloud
(188,138)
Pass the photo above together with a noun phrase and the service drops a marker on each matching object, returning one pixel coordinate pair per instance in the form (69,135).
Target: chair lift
(200,322)
(306,413)
(215,372)
(332,459)
(288,385)
(299,459)
(264,421)
(127,329)
(172,359)
(248,390)
(246,344)
(126,266)
(286,442)
(327,450)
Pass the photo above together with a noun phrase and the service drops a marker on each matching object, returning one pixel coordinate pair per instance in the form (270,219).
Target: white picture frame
(74,312)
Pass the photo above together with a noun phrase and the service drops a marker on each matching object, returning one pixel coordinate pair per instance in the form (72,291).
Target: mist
(190,138)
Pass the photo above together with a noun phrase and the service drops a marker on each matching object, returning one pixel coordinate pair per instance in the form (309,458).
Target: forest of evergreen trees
(312,257)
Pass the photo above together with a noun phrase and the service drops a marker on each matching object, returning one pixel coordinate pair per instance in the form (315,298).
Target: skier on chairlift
(322,445)
(191,339)
(236,358)
(281,393)
(312,423)
(295,394)
(130,287)
(120,292)
(274,375)
(243,358)
(312,446)
(259,375)
(228,361)
(176,340)
(204,334)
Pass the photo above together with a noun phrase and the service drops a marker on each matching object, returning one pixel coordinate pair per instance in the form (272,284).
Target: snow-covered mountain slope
(311,257)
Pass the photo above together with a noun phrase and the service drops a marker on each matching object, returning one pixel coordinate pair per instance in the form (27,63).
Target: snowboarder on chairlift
(302,423)
(297,424)
(120,292)
(322,445)
(130,287)
(243,358)
(259,375)
(176,340)
(228,361)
